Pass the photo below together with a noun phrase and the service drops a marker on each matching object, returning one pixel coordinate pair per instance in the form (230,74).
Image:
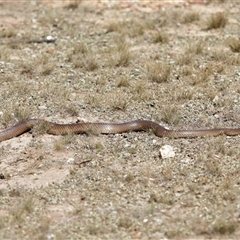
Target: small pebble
(42,107)
(166,151)
(70,160)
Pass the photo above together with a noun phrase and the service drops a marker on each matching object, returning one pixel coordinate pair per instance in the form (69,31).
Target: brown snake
(138,125)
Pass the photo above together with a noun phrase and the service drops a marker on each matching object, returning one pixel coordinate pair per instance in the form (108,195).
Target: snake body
(107,128)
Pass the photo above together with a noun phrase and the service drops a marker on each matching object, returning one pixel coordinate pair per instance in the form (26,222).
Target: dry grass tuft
(213,167)
(74,4)
(189,55)
(72,110)
(140,88)
(21,113)
(171,115)
(186,70)
(6,118)
(131,28)
(135,28)
(83,57)
(195,48)
(234,44)
(223,226)
(140,92)
(167,174)
(186,58)
(5,53)
(218,20)
(19,211)
(115,27)
(91,64)
(47,69)
(122,57)
(99,146)
(80,48)
(125,222)
(61,143)
(234,60)
(87,62)
(8,33)
(27,68)
(203,76)
(158,72)
(94,101)
(185,94)
(118,101)
(123,81)
(160,38)
(191,17)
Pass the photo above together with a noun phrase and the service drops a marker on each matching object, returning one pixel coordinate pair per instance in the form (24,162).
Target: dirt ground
(176,63)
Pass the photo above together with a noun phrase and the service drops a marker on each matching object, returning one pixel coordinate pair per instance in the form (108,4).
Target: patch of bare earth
(176,63)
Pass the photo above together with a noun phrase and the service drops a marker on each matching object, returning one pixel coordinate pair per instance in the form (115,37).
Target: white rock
(42,107)
(70,160)
(49,38)
(216,99)
(167,151)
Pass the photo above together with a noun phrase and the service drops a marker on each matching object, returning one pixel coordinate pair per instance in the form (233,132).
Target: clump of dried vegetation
(158,72)
(234,44)
(217,20)
(160,38)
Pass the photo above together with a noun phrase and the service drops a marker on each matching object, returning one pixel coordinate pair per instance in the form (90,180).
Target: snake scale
(107,128)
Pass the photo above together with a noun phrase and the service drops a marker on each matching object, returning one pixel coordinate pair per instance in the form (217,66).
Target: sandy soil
(100,70)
